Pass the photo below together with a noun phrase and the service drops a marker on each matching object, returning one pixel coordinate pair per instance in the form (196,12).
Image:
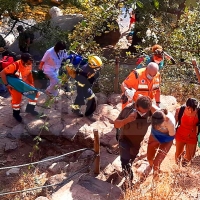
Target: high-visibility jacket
(138,81)
(24,73)
(21,71)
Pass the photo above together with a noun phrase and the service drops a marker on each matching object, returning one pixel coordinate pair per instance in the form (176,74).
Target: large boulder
(81,129)
(87,188)
(110,38)
(55,12)
(66,22)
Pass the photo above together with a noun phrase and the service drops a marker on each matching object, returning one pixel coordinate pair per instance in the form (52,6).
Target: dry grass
(25,180)
(180,183)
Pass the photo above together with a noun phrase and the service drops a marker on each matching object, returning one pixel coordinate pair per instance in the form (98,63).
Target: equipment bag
(5,61)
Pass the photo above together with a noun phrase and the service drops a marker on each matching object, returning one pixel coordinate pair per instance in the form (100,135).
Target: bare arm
(3,77)
(157,95)
(194,63)
(118,123)
(154,108)
(41,65)
(176,114)
(170,126)
(124,87)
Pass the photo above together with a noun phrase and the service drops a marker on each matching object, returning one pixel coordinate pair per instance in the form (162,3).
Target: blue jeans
(2,88)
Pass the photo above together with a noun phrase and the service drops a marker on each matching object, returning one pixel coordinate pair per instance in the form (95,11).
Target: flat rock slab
(102,188)
(73,191)
(87,188)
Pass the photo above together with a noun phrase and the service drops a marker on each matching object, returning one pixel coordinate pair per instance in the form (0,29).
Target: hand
(194,62)
(9,87)
(130,93)
(132,117)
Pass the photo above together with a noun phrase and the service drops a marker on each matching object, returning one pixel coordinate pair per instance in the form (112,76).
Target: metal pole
(97,151)
(116,81)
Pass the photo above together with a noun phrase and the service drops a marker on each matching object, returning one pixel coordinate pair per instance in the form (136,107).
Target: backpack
(5,61)
(180,114)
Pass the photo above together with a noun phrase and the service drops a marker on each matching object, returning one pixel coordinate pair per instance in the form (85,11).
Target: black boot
(16,115)
(31,109)
(77,112)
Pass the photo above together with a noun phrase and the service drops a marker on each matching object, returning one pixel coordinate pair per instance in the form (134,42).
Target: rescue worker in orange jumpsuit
(22,69)
(145,81)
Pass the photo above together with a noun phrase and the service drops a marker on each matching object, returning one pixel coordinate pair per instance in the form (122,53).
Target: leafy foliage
(97,20)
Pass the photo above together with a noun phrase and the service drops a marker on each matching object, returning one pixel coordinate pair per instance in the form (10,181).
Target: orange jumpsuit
(143,85)
(24,73)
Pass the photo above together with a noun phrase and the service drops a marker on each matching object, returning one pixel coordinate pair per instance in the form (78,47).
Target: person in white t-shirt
(50,64)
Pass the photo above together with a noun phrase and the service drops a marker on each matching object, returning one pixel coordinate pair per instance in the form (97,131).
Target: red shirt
(186,132)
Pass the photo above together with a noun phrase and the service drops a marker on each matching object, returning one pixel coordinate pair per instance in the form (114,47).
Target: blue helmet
(75,59)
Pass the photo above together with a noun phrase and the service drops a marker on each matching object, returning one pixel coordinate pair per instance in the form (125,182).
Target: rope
(33,163)
(45,186)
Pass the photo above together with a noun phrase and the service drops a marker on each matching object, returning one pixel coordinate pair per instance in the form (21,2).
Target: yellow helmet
(95,61)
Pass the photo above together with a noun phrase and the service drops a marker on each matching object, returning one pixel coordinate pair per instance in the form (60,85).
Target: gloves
(130,93)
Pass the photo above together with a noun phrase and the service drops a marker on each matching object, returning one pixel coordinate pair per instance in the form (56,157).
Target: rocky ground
(67,133)
(61,132)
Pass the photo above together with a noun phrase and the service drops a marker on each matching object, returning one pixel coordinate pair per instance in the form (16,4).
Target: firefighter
(22,69)
(145,81)
(85,77)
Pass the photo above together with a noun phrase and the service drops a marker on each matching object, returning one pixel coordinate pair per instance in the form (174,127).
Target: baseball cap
(26,56)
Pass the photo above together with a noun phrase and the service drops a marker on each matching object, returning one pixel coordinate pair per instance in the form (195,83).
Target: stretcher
(22,87)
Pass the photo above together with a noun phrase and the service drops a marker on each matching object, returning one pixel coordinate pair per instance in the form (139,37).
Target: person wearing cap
(160,140)
(85,78)
(50,64)
(22,69)
(23,40)
(145,81)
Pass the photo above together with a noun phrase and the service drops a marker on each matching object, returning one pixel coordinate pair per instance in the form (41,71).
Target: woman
(157,57)
(50,64)
(161,138)
(186,134)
